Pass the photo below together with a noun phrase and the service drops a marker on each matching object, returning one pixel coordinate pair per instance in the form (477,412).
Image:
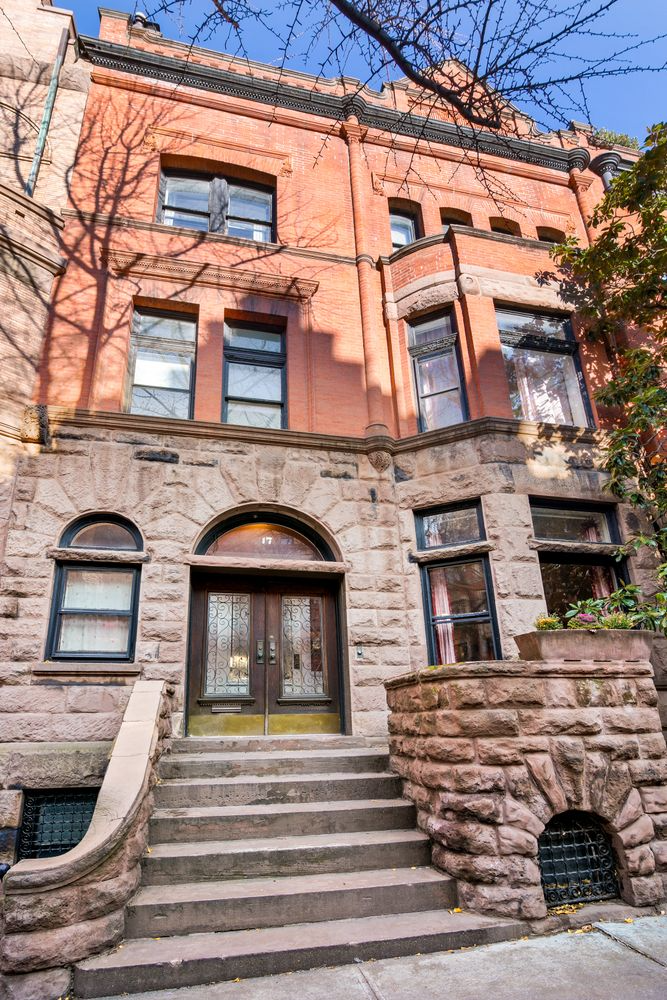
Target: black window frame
(248,356)
(569,345)
(608,509)
(436,348)
(94,564)
(136,339)
(475,505)
(217,211)
(489,616)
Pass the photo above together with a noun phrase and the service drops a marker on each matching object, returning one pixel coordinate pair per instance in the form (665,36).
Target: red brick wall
(131,124)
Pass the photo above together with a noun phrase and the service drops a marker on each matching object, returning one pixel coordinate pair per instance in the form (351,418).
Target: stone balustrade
(58,910)
(490,752)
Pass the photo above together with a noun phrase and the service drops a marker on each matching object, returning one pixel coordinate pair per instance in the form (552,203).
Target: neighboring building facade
(33,191)
(311,417)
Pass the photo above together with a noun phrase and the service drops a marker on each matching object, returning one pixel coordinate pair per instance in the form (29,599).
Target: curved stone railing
(58,910)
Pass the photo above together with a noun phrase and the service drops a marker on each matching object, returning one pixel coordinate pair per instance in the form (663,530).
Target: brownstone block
(654,799)
(577,722)
(639,832)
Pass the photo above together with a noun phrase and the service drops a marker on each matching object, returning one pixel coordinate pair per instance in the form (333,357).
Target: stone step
(234,859)
(145,964)
(230,765)
(249,744)
(161,910)
(279,820)
(183,793)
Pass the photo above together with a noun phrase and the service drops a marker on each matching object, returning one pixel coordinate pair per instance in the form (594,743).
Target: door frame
(319,574)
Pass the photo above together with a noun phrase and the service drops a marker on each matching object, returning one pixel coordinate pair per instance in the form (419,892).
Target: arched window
(94,609)
(405,221)
(508,227)
(548,235)
(576,860)
(455,217)
(262,536)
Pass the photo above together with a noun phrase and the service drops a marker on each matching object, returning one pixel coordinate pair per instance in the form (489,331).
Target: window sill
(56,668)
(241,241)
(97,556)
(449,552)
(574,548)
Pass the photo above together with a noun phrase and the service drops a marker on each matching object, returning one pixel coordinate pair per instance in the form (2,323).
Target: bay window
(432,344)
(571,574)
(541,363)
(458,595)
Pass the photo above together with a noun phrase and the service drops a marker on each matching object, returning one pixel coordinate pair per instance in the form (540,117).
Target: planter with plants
(621,626)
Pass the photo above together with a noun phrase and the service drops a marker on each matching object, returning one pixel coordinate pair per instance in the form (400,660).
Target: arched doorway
(264,634)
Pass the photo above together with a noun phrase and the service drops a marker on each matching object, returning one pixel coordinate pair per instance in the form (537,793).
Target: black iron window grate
(55,820)
(576,860)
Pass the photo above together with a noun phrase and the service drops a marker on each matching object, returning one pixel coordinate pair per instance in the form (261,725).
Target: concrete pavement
(613,961)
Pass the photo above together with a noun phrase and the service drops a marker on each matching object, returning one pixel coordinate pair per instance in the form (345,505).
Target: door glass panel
(302,646)
(228,645)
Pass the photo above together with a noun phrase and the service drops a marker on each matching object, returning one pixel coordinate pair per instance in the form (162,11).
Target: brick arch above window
(217,150)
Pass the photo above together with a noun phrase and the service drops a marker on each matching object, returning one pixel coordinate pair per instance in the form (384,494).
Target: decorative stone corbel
(35,425)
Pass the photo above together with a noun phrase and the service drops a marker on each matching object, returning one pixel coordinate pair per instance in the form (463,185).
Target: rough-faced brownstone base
(489,752)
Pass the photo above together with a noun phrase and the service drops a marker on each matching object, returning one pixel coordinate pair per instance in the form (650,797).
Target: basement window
(576,860)
(217,204)
(54,821)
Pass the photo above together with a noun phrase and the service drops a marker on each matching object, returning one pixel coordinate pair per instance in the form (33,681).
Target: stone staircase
(272,855)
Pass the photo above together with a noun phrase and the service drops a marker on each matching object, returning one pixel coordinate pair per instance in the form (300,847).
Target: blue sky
(626,104)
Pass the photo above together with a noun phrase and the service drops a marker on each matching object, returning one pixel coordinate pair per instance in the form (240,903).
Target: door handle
(272,649)
(260,651)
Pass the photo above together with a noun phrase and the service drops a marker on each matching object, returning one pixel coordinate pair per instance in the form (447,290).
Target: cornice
(263,250)
(337,107)
(190,272)
(128,424)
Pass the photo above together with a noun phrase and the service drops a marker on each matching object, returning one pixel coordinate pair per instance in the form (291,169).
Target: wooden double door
(264,657)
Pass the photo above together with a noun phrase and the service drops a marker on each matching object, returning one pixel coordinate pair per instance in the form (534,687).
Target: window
(541,362)
(161,365)
(212,203)
(459,606)
(254,376)
(432,345)
(457,593)
(547,235)
(455,217)
(94,608)
(571,524)
(405,224)
(505,226)
(54,821)
(575,576)
(450,526)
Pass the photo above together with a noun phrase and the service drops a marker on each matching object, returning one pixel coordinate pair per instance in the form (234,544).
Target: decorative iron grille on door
(576,860)
(55,820)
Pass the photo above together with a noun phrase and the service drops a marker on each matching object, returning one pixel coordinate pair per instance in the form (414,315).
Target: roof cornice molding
(140,62)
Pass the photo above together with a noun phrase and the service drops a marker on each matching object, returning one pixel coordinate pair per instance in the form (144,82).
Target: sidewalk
(614,961)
